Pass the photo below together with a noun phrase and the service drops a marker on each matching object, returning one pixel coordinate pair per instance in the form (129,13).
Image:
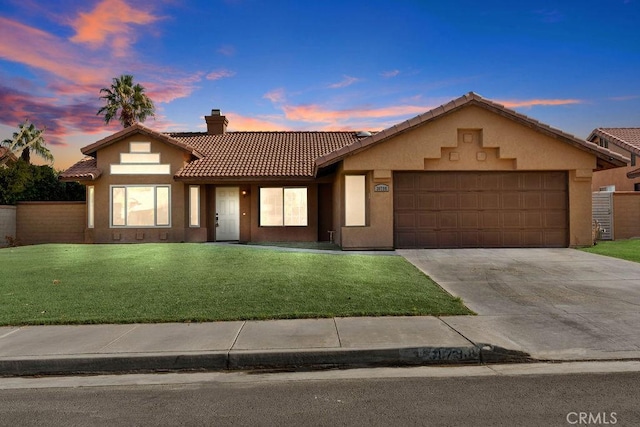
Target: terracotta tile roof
(606,158)
(628,138)
(84,170)
(6,155)
(137,128)
(259,154)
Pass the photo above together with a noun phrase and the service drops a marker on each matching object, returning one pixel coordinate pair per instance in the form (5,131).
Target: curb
(254,360)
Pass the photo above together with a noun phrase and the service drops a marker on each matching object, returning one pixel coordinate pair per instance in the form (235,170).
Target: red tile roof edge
(84,170)
(138,128)
(603,133)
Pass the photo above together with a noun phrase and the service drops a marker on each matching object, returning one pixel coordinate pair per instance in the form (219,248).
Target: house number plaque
(381,188)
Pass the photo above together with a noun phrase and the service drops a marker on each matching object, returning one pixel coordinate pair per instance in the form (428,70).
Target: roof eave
(91,149)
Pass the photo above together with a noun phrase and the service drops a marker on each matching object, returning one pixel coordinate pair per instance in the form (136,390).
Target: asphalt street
(463,396)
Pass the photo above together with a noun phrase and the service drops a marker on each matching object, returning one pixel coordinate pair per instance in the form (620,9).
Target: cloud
(239,122)
(58,120)
(227,50)
(390,74)
(220,74)
(346,81)
(536,102)
(624,98)
(41,50)
(277,96)
(110,22)
(316,114)
(171,87)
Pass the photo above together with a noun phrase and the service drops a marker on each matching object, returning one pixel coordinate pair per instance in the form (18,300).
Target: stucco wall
(496,143)
(626,215)
(179,230)
(50,222)
(615,176)
(7,223)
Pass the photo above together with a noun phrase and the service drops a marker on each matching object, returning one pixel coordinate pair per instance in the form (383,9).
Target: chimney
(216,123)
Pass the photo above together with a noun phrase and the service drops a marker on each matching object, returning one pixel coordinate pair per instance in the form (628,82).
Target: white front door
(227,213)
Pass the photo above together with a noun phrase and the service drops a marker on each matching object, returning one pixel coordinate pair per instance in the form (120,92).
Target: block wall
(50,222)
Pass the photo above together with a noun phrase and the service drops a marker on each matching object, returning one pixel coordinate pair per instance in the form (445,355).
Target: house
(470,173)
(7,158)
(625,141)
(616,197)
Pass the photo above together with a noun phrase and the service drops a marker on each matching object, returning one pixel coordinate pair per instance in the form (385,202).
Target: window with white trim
(90,206)
(355,201)
(140,206)
(194,206)
(282,206)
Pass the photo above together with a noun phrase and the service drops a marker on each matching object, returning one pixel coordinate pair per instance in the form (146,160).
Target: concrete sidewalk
(275,344)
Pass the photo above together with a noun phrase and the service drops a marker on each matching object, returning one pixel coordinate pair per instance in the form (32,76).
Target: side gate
(603,213)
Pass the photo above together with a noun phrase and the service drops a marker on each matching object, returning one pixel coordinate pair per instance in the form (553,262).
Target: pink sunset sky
(291,65)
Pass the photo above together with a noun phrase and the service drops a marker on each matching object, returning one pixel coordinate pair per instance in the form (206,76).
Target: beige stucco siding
(179,229)
(470,139)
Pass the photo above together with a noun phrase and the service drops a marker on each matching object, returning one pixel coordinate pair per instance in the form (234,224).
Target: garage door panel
(533,181)
(448,220)
(555,200)
(555,181)
(510,181)
(533,200)
(489,200)
(470,182)
(555,219)
(407,201)
(490,219)
(469,201)
(469,220)
(534,219)
(447,201)
(470,239)
(491,239)
(510,200)
(533,238)
(406,220)
(426,200)
(480,209)
(428,220)
(555,238)
(448,239)
(511,220)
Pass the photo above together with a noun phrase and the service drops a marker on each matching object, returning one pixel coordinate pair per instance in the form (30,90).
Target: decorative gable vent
(140,161)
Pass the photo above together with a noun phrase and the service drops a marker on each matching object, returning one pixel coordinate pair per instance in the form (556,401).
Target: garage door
(480,209)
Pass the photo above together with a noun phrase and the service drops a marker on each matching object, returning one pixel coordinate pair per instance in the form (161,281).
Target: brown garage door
(480,209)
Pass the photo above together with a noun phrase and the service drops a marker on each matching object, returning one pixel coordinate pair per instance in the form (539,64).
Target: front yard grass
(75,284)
(624,249)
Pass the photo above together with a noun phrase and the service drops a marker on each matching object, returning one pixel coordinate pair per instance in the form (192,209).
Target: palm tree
(126,101)
(28,139)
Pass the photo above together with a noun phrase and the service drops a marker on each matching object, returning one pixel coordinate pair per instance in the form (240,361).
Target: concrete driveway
(560,304)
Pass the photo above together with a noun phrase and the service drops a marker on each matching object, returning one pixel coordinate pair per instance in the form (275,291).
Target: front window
(355,200)
(140,206)
(283,207)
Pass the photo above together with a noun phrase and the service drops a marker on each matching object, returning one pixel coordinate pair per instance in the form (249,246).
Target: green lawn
(625,249)
(66,284)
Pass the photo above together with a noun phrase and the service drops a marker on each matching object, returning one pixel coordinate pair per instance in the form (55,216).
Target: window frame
(363,202)
(284,206)
(126,188)
(91,206)
(194,198)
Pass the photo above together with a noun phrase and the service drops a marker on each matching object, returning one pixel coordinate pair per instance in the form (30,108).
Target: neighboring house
(6,157)
(470,173)
(625,141)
